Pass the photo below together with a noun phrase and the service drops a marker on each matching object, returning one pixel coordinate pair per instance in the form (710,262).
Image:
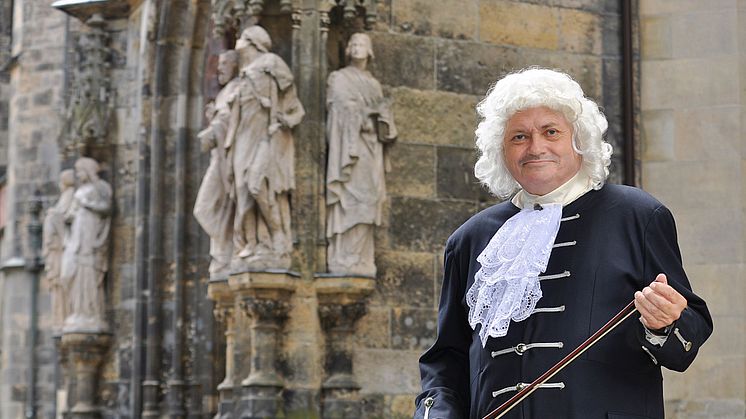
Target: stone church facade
(126,82)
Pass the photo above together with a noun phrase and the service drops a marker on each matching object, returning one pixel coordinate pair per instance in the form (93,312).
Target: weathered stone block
(387,371)
(656,7)
(413,329)
(681,185)
(580,32)
(374,329)
(446,19)
(655,37)
(456,175)
(403,60)
(657,130)
(705,34)
(590,5)
(404,278)
(412,170)
(473,67)
(518,24)
(455,122)
(424,225)
(694,82)
(714,136)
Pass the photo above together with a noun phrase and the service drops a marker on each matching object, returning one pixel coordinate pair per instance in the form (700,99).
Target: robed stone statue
(214,207)
(263,153)
(85,253)
(359,125)
(56,231)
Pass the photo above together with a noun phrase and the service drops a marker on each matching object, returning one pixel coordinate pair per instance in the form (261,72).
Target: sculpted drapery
(262,153)
(359,124)
(244,202)
(56,231)
(214,207)
(86,250)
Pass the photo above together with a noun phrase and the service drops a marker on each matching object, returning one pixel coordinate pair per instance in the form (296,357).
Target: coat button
(520,348)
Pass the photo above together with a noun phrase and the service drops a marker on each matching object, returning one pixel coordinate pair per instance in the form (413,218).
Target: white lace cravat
(507,285)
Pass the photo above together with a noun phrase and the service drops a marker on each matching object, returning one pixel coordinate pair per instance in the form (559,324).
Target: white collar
(569,191)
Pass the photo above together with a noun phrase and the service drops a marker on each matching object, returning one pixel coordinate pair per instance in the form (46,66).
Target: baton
(551,372)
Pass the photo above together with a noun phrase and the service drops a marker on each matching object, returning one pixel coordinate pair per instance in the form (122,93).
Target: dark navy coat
(622,238)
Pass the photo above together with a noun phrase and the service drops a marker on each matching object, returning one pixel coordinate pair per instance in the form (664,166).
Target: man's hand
(659,304)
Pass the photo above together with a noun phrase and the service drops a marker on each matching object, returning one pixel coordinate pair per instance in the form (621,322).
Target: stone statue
(214,207)
(56,231)
(260,147)
(86,250)
(359,124)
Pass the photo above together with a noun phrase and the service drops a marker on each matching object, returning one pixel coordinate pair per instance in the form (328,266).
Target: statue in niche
(56,231)
(261,153)
(215,205)
(359,124)
(86,249)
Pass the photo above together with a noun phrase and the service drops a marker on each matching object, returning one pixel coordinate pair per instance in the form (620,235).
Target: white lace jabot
(506,287)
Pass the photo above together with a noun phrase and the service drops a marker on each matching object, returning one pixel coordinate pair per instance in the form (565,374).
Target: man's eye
(551,132)
(519,137)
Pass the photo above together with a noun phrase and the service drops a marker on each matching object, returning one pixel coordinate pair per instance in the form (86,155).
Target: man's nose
(537,143)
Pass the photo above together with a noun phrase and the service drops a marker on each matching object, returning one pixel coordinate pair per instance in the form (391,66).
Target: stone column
(342,302)
(265,297)
(83,354)
(219,292)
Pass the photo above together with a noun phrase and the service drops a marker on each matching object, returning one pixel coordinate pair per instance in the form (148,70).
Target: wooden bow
(551,372)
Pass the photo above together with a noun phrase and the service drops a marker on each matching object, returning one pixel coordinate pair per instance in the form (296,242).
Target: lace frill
(507,285)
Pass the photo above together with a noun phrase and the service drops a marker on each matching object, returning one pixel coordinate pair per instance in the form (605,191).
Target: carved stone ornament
(91,104)
(360,125)
(351,9)
(233,14)
(85,253)
(82,354)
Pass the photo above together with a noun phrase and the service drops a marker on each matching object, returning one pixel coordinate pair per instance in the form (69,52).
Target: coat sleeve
(444,368)
(689,332)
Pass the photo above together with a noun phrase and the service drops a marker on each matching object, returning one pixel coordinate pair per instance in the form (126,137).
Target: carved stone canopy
(351,9)
(231,14)
(84,9)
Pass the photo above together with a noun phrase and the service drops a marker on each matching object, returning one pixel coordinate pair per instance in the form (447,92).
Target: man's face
(538,150)
(226,69)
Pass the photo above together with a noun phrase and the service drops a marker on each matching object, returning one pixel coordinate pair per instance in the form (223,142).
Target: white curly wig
(530,88)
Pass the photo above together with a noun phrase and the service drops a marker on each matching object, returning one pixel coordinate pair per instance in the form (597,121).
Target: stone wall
(32,153)
(693,117)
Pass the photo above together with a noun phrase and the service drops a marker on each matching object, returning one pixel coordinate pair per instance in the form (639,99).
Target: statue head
(254,36)
(359,47)
(227,66)
(67,179)
(86,169)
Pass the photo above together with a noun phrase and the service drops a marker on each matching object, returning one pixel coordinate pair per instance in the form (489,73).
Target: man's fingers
(668,292)
(661,278)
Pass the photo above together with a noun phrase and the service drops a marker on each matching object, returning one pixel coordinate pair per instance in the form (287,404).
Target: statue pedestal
(265,298)
(220,293)
(83,354)
(342,302)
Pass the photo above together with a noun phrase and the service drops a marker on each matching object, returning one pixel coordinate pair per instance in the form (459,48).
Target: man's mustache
(533,157)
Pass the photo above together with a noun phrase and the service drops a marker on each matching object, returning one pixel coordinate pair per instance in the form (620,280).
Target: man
(526,281)
(359,124)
